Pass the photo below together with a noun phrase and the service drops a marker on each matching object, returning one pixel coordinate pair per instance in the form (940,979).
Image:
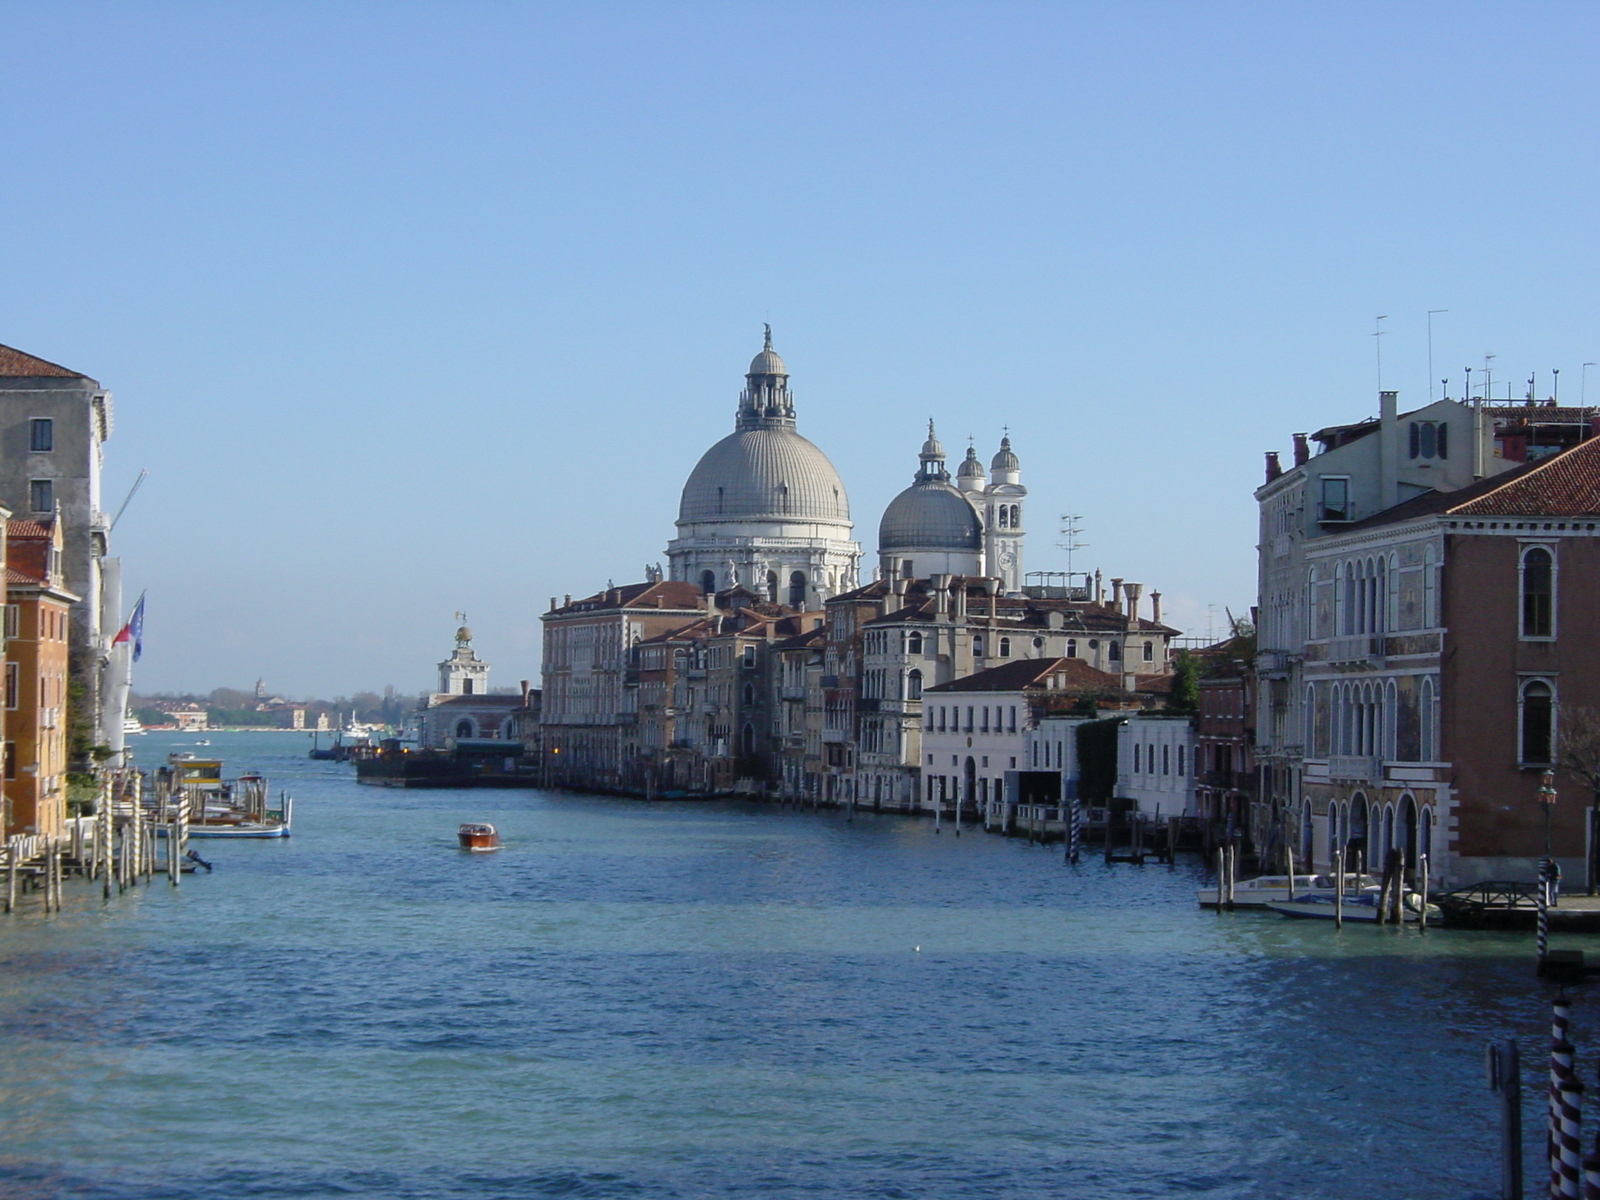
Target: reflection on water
(724,1000)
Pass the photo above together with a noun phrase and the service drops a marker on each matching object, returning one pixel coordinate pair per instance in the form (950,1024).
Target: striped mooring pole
(1566,1108)
(1074,831)
(1591,1174)
(1542,936)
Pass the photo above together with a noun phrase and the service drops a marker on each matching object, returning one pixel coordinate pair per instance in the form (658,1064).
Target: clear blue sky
(411,308)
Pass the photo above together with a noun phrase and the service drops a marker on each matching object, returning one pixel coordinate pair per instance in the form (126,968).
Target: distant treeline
(232,706)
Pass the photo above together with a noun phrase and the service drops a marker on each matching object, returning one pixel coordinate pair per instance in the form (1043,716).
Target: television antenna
(1070,532)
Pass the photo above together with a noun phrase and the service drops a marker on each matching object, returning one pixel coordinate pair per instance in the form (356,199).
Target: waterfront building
(54,423)
(1143,761)
(795,679)
(464,709)
(1396,666)
(895,638)
(38,631)
(764,508)
(976,729)
(588,654)
(1224,754)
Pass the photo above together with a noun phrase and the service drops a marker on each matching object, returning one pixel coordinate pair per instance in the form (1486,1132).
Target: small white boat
(1267,889)
(131,726)
(1358,906)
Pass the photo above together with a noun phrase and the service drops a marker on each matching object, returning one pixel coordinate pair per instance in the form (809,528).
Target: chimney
(1133,591)
(552,604)
(1127,681)
(1273,469)
(1155,607)
(1388,448)
(1099,588)
(894,599)
(941,594)
(1302,450)
(960,597)
(524,693)
(1116,593)
(566,600)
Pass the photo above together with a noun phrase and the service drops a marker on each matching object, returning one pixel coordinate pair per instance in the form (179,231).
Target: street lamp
(1547,799)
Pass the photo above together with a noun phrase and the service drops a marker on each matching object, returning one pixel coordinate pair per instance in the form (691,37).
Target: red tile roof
(18,364)
(22,577)
(1074,673)
(26,527)
(1563,485)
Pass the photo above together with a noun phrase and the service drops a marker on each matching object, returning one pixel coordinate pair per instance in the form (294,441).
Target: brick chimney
(1116,593)
(1155,607)
(1302,450)
(1273,467)
(1133,592)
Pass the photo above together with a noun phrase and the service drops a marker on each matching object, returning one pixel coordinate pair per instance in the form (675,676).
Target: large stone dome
(929,515)
(770,473)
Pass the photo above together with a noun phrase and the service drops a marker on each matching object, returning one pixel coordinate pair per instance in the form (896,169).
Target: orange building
(38,610)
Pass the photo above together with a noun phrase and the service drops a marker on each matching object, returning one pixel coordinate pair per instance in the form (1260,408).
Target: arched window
(1166,759)
(1538,593)
(977,646)
(747,739)
(1114,651)
(1149,652)
(1072,647)
(749,695)
(914,685)
(1005,647)
(1005,516)
(1136,748)
(914,644)
(463,729)
(1181,763)
(797,590)
(1538,723)
(1016,516)
(708,582)
(772,587)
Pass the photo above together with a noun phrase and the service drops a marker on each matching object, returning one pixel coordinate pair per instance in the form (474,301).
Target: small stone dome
(767,363)
(932,447)
(463,634)
(970,466)
(929,515)
(1005,460)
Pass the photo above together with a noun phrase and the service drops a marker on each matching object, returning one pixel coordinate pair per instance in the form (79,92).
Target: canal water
(716,999)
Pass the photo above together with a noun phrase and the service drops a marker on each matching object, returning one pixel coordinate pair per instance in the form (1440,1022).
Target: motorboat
(1267,889)
(475,835)
(217,808)
(1358,906)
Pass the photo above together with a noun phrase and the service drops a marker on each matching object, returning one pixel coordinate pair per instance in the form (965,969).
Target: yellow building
(38,620)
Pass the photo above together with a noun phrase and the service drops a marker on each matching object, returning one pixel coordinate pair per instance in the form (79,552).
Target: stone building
(1396,667)
(37,657)
(54,422)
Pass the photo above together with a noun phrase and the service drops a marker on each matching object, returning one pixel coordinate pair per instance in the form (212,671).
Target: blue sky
(411,308)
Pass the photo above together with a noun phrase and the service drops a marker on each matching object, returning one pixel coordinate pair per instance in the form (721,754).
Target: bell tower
(463,673)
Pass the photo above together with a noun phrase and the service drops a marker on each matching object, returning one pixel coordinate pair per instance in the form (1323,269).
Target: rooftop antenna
(1583,387)
(129,500)
(462,617)
(1069,539)
(1377,342)
(1432,312)
(1211,623)
(1467,395)
(1555,385)
(1488,379)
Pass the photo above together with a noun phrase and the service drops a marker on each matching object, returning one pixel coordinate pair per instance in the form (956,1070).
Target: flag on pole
(133,631)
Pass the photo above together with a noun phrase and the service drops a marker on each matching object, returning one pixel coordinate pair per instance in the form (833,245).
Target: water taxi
(475,835)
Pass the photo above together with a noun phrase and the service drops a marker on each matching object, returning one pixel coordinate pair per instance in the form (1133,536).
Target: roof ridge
(16,364)
(1511,479)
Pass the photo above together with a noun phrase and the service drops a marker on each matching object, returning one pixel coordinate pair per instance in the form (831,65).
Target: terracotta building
(38,650)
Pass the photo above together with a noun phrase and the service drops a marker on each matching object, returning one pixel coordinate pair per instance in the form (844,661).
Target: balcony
(1355,768)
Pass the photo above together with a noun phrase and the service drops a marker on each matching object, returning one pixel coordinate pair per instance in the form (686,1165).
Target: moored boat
(1358,906)
(1267,889)
(213,807)
(477,835)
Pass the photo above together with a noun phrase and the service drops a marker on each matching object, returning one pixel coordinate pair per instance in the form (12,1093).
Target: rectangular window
(11,760)
(1538,723)
(13,621)
(42,495)
(1335,498)
(11,685)
(41,435)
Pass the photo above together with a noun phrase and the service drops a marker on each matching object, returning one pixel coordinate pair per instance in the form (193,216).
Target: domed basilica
(766,510)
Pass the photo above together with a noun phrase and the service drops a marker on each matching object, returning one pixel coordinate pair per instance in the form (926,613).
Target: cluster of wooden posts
(122,844)
(1572,1174)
